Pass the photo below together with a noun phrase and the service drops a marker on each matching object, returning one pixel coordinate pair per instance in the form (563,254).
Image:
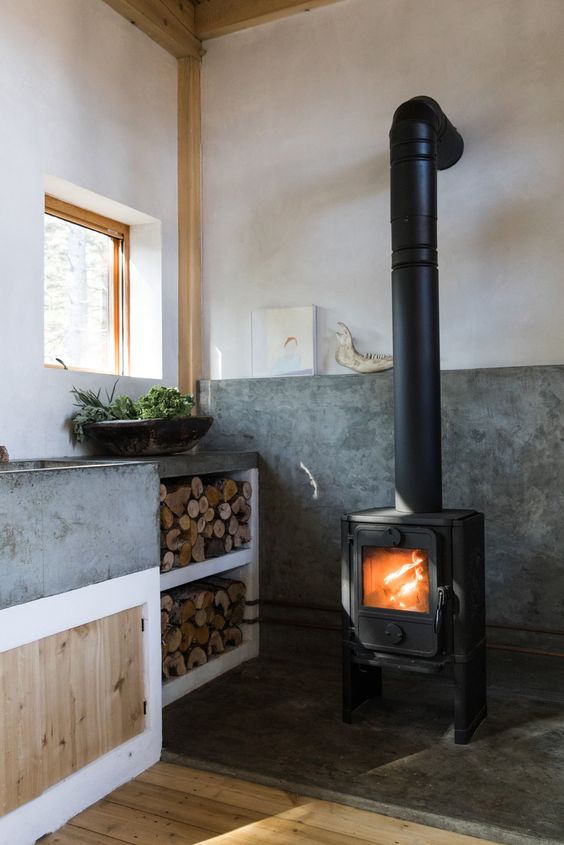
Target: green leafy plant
(164,403)
(157,403)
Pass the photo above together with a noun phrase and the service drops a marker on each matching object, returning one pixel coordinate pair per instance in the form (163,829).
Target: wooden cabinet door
(66,700)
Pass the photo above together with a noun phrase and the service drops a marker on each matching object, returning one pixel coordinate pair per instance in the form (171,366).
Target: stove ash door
(396,601)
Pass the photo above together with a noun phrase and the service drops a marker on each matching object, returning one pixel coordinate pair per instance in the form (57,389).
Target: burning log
(397,579)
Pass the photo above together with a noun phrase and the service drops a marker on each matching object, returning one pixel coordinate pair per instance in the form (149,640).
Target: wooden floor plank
(342,819)
(70,835)
(232,791)
(175,805)
(205,813)
(338,818)
(138,827)
(275,830)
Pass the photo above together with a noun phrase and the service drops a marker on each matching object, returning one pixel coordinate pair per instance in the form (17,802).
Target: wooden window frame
(120,235)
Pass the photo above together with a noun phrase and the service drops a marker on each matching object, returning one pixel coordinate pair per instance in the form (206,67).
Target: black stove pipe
(422,141)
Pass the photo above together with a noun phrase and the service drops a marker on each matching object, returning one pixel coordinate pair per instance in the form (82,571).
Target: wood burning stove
(413,599)
(413,576)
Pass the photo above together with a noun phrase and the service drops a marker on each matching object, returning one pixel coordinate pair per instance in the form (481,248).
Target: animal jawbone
(361,362)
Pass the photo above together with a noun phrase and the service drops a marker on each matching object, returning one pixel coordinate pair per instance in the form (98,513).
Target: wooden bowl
(137,438)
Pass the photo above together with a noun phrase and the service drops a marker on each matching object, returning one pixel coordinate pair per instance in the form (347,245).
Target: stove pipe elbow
(422,141)
(450,144)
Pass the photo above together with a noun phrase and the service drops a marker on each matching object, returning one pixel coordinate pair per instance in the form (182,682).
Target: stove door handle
(439,613)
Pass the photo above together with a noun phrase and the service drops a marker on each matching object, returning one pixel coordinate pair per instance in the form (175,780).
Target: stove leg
(470,698)
(360,683)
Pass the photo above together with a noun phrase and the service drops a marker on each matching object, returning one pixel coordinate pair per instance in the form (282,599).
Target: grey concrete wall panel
(66,527)
(326,446)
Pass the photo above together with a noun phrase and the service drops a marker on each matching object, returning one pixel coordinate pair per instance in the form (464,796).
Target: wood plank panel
(68,699)
(220,17)
(168,22)
(189,226)
(184,11)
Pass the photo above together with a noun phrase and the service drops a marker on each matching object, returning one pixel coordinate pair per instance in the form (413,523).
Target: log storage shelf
(209,574)
(203,521)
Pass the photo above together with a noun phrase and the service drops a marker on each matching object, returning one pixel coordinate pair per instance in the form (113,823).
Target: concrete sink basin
(64,525)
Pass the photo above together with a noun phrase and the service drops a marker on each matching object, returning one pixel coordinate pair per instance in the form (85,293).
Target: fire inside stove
(395,579)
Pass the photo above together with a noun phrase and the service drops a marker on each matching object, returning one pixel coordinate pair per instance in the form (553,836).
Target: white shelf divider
(197,571)
(176,688)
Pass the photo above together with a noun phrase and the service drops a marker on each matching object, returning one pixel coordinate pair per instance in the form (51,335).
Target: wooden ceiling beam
(168,22)
(220,17)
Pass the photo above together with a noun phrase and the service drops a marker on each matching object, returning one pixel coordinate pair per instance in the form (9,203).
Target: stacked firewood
(199,621)
(202,519)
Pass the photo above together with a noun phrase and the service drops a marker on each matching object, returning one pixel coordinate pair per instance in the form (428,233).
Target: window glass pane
(78,296)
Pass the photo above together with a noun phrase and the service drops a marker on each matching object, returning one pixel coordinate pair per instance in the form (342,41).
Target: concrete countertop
(189,463)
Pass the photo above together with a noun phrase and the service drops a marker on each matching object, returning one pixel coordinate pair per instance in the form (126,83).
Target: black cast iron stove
(413,576)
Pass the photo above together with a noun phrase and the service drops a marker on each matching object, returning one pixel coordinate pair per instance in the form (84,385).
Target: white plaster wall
(86,97)
(296,175)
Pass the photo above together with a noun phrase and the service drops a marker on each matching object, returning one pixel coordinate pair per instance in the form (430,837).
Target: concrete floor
(279,723)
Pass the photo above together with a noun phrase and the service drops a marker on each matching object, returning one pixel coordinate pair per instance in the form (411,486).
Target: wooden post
(189,225)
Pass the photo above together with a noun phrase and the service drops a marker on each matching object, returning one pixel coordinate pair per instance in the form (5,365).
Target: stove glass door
(395,579)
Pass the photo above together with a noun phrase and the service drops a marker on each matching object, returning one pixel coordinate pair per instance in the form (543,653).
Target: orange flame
(396,579)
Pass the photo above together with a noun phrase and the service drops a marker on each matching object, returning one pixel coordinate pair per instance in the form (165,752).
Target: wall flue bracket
(422,141)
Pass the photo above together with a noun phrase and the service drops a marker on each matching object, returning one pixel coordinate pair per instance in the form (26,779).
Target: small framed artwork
(283,341)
